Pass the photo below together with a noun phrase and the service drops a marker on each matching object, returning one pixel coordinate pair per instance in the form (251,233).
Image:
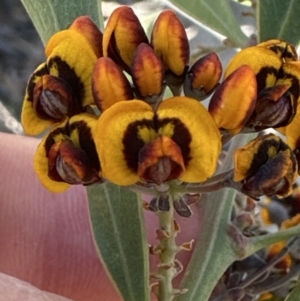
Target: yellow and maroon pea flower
(234,100)
(109,84)
(67,155)
(147,73)
(122,35)
(277,77)
(203,77)
(177,141)
(62,86)
(265,166)
(170,43)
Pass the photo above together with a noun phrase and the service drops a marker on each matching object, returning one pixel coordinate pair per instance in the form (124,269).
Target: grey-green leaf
(294,294)
(212,254)
(215,14)
(119,231)
(50,16)
(279,19)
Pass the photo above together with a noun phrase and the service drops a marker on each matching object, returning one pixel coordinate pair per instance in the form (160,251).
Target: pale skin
(45,238)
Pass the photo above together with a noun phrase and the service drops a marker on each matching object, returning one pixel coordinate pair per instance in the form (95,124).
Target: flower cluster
(121,107)
(103,97)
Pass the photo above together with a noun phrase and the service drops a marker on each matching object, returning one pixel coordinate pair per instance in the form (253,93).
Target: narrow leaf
(294,294)
(119,232)
(215,249)
(215,14)
(213,253)
(279,19)
(263,241)
(50,16)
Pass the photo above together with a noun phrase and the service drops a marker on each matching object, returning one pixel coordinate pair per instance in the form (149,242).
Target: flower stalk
(169,267)
(169,249)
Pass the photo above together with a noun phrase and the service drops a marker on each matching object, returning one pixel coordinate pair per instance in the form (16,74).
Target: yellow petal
(285,262)
(234,100)
(32,124)
(170,42)
(264,62)
(85,26)
(73,60)
(147,71)
(109,84)
(266,297)
(122,34)
(289,223)
(281,48)
(190,126)
(120,133)
(292,131)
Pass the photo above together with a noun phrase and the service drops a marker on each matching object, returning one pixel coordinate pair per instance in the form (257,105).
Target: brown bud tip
(86,26)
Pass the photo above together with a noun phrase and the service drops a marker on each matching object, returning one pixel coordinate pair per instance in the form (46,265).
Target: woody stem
(167,269)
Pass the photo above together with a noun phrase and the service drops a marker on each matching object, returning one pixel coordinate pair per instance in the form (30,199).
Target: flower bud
(147,74)
(203,77)
(234,100)
(109,84)
(122,35)
(170,42)
(266,166)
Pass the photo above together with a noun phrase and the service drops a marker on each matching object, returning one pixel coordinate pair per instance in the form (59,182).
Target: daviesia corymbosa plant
(126,108)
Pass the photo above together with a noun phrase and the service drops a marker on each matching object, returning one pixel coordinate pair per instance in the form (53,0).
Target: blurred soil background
(21,50)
